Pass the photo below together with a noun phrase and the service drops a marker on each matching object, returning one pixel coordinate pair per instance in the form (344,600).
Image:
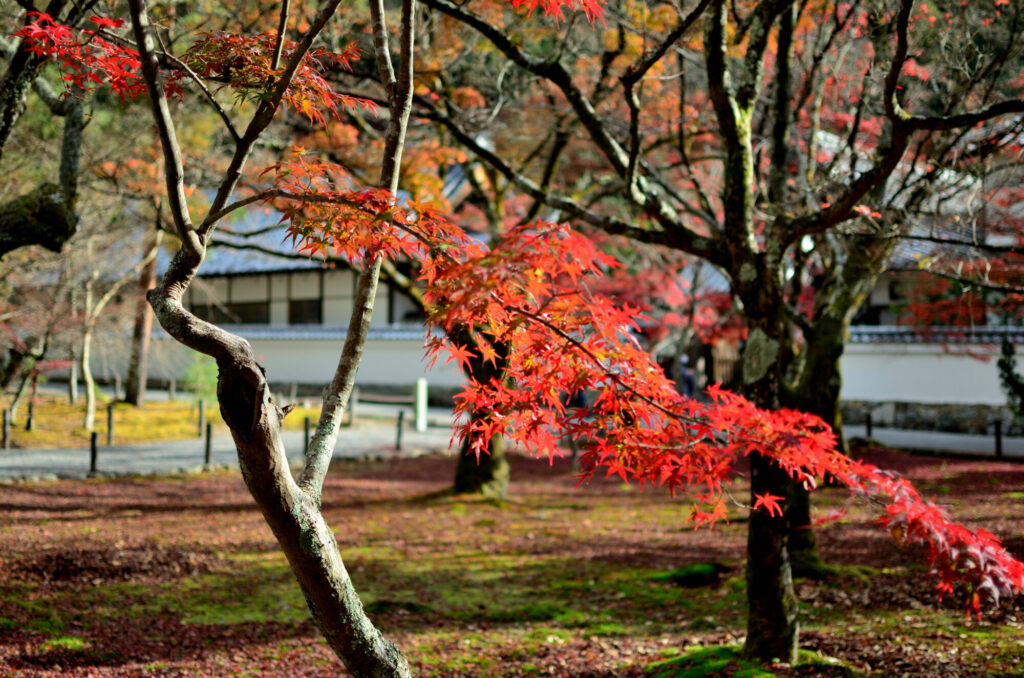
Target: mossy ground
(183,578)
(56,423)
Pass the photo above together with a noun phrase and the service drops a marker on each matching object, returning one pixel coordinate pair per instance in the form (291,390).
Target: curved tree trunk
(89,420)
(291,508)
(294,516)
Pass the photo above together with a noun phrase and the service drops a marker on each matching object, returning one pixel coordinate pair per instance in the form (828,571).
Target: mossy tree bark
(46,215)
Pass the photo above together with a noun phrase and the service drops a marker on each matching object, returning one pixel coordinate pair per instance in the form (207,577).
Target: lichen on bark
(759,355)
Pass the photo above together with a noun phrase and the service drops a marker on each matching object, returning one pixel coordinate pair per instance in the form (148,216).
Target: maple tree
(531,293)
(44,215)
(738,132)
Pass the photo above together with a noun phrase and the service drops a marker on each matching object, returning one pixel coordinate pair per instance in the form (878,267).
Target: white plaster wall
(278,312)
(206,290)
(922,373)
(279,286)
(396,362)
(312,361)
(338,311)
(305,285)
(249,288)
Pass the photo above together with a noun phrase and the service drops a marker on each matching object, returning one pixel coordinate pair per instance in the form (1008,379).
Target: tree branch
(337,394)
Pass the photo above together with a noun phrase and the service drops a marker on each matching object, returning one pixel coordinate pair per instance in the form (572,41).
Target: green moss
(721,660)
(65,643)
(607,629)
(707,661)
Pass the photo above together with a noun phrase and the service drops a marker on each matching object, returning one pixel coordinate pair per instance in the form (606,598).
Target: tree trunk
(819,382)
(135,387)
(488,476)
(13,367)
(294,517)
(772,627)
(817,393)
(89,421)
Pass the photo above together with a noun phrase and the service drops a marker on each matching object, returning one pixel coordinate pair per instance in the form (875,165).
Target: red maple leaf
(769,502)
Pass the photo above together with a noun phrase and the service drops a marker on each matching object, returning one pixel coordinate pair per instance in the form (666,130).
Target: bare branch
(337,394)
(282,26)
(206,93)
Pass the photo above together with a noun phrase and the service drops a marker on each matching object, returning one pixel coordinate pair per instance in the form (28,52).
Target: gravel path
(372,437)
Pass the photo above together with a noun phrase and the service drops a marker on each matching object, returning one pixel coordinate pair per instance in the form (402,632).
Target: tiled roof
(901,334)
(266,250)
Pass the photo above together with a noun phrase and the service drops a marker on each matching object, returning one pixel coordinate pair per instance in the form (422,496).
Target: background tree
(45,214)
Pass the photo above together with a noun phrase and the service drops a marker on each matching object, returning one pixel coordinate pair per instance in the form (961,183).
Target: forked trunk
(294,517)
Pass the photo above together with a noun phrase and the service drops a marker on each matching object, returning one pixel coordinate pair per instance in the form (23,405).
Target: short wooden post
(398,431)
(110,424)
(30,424)
(305,435)
(999,438)
(202,418)
(7,430)
(94,452)
(293,394)
(208,453)
(170,389)
(419,400)
(867,425)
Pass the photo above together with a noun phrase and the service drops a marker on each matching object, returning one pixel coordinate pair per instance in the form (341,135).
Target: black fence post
(867,425)
(110,424)
(305,436)
(7,429)
(94,452)
(208,454)
(30,423)
(202,418)
(999,438)
(398,431)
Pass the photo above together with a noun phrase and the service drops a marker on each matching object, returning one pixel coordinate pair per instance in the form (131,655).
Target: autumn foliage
(534,292)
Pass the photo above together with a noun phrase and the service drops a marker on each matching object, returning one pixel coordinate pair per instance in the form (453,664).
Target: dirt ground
(179,576)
